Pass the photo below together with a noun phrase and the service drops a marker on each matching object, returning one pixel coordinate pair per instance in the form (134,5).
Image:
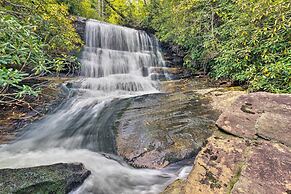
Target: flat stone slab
(266,171)
(253,157)
(158,129)
(259,114)
(57,178)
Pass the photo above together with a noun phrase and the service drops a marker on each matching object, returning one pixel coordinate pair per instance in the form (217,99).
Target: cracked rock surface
(253,157)
(259,114)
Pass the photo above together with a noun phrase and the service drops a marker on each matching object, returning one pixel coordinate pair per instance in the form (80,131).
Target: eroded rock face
(259,114)
(57,178)
(159,129)
(217,166)
(234,165)
(173,55)
(253,156)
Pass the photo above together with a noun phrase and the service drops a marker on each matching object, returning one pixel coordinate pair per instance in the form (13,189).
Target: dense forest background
(246,41)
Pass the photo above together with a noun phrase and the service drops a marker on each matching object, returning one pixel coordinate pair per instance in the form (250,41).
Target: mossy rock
(57,178)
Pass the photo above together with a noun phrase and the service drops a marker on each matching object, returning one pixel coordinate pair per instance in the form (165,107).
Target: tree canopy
(36,38)
(242,40)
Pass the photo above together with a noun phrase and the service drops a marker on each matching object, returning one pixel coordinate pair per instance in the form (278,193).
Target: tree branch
(116,11)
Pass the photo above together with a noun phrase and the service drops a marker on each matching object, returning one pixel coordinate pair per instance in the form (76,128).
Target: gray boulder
(57,178)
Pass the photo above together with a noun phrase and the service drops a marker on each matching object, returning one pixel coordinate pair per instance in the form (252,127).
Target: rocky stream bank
(249,150)
(238,142)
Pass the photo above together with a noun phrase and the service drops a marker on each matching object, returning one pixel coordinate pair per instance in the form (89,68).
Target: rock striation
(253,156)
(156,130)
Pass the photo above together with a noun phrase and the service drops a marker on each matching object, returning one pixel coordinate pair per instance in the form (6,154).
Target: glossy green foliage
(242,40)
(85,8)
(256,45)
(20,51)
(36,38)
(127,12)
(19,45)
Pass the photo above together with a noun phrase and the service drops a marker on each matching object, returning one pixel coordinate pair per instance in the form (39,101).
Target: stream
(117,63)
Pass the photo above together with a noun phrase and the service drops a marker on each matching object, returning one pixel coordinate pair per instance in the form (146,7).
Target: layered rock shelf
(250,150)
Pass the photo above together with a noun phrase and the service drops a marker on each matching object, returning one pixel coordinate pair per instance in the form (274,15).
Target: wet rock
(259,114)
(178,73)
(80,25)
(173,54)
(13,119)
(57,178)
(158,129)
(173,73)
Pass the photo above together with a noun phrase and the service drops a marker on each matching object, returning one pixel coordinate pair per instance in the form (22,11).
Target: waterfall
(117,63)
(120,59)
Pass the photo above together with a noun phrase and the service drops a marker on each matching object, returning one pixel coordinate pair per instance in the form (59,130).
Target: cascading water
(117,62)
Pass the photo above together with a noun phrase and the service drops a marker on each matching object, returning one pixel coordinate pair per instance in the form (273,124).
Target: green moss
(56,187)
(52,179)
(234,180)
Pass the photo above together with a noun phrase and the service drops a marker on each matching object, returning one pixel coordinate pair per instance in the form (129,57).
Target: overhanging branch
(116,11)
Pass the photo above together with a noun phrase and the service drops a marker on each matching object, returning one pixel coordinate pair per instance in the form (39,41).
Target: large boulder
(158,129)
(252,157)
(57,178)
(234,165)
(261,114)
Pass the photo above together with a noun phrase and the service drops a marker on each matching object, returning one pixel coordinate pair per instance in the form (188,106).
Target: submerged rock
(57,178)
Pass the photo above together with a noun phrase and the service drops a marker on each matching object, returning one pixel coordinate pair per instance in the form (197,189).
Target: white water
(116,63)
